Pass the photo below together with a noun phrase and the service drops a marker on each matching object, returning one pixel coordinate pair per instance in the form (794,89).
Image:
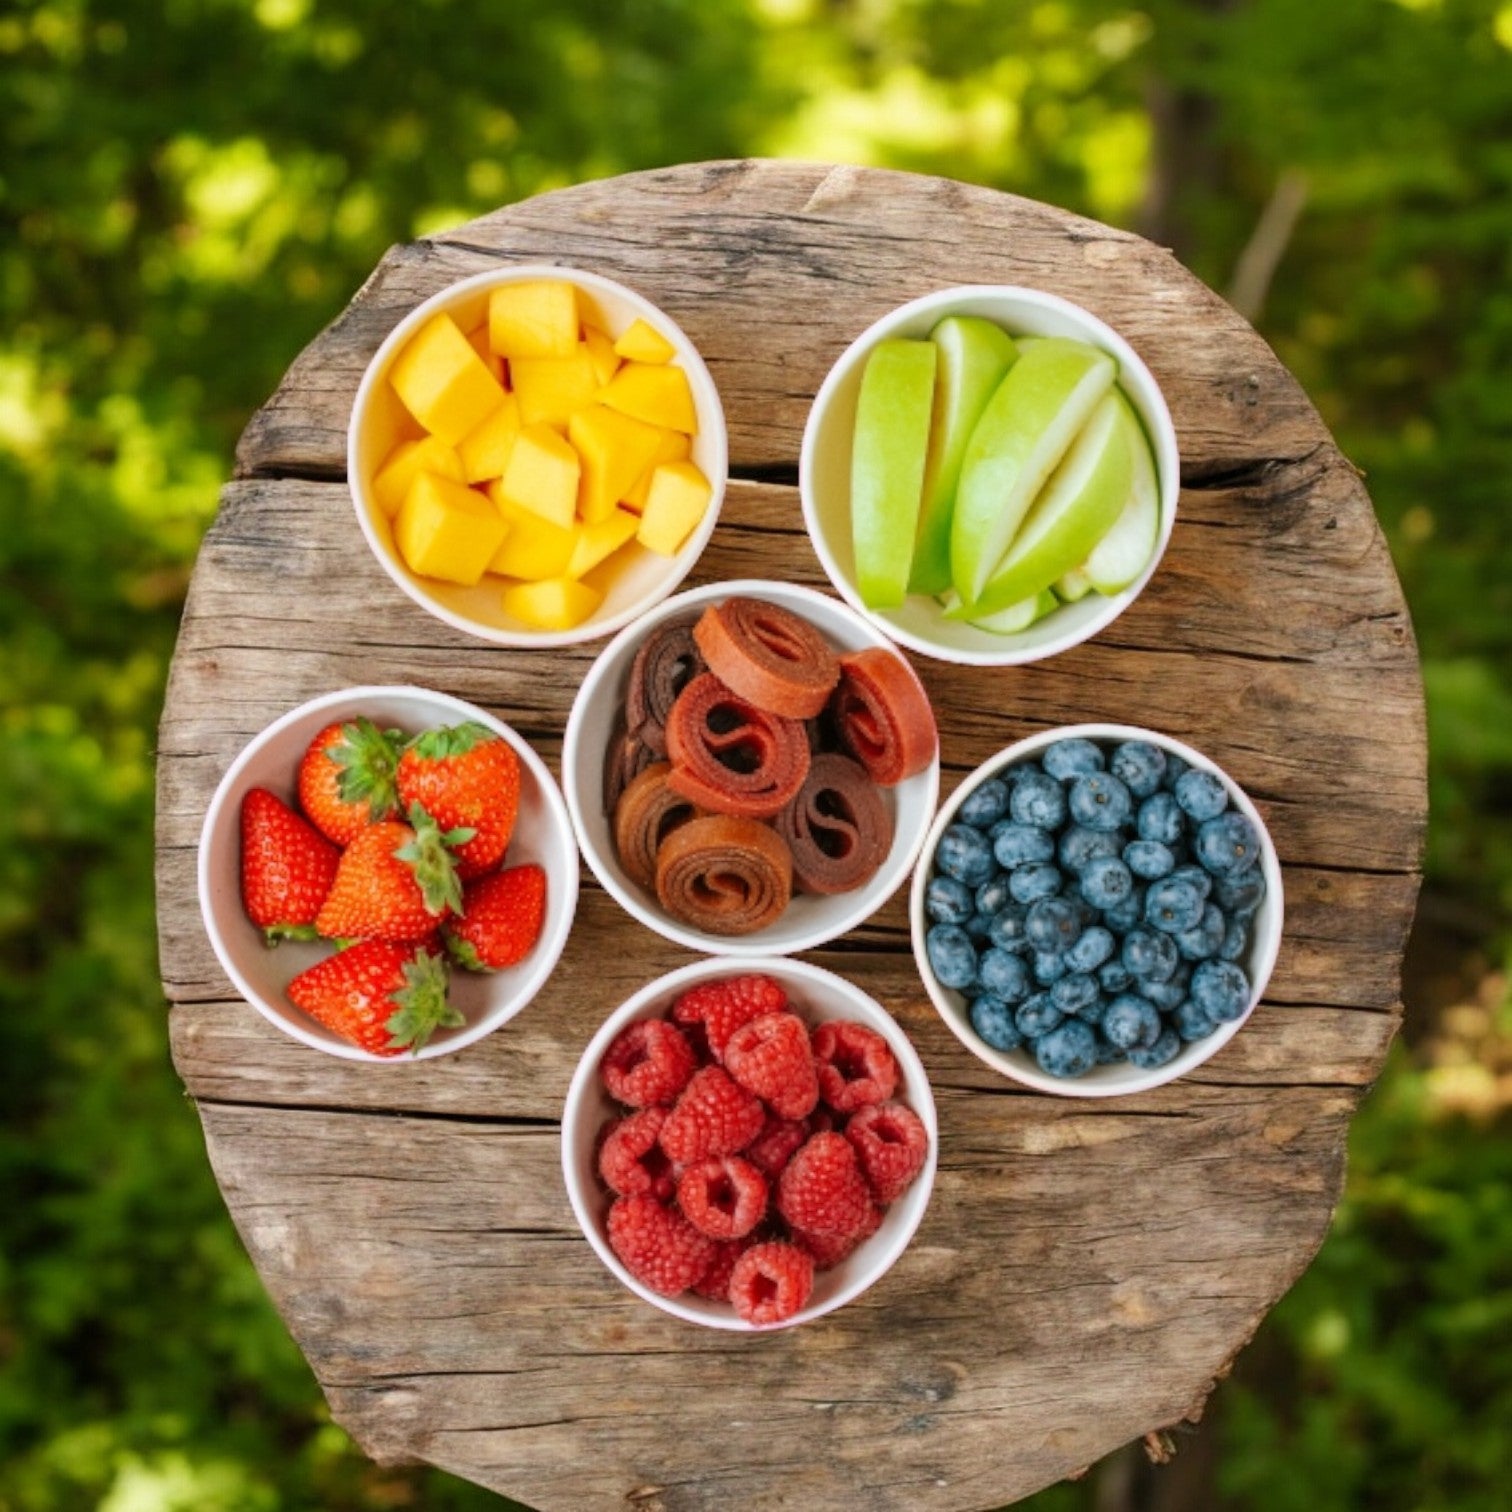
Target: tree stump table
(1086,1270)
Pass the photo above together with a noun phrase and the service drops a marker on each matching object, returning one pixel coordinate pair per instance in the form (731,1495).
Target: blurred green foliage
(189,189)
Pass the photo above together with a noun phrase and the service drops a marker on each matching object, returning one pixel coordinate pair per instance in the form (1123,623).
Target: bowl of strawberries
(749,1143)
(388,872)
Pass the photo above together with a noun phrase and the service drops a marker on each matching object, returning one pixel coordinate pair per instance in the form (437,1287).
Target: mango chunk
(536,318)
(675,503)
(445,530)
(534,548)
(644,343)
(392,481)
(443,381)
(615,451)
(542,475)
(657,395)
(553,604)
(477,339)
(672,446)
(600,353)
(593,543)
(551,388)
(485,449)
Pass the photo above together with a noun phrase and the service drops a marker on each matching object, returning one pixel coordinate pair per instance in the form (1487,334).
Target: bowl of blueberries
(1097,910)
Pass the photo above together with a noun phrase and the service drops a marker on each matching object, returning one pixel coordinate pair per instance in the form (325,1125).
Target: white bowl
(824,474)
(816,997)
(808,920)
(543,834)
(1118,1078)
(645,578)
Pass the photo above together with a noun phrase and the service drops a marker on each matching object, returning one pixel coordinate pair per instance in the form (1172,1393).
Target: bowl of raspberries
(749,1144)
(1097,910)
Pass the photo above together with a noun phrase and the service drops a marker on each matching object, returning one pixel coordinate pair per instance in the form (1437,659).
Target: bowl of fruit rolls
(388,872)
(751,768)
(1097,910)
(749,1143)
(989,474)
(537,455)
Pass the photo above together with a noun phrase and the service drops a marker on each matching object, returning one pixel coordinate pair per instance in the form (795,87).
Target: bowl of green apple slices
(989,474)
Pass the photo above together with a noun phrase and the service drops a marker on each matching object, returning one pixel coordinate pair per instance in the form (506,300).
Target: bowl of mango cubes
(537,455)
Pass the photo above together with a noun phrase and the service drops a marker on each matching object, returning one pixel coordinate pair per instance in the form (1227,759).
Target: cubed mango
(600,353)
(443,381)
(553,604)
(551,388)
(644,343)
(671,446)
(534,548)
(392,481)
(542,475)
(535,318)
(593,543)
(485,448)
(657,395)
(675,503)
(615,450)
(445,530)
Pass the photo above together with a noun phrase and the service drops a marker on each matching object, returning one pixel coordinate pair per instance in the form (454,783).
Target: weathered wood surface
(1085,1271)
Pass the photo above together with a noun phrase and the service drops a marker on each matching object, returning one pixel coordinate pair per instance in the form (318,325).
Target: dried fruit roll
(666,663)
(883,715)
(724,875)
(625,759)
(730,757)
(837,828)
(648,811)
(768,656)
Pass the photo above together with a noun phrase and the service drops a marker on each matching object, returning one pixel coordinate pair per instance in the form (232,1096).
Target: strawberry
(346,778)
(385,998)
(286,868)
(468,778)
(500,921)
(395,882)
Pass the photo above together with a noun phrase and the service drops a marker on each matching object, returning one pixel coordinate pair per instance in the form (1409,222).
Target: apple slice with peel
(1072,513)
(1071,587)
(974,355)
(1118,559)
(887,465)
(1015,617)
(1042,402)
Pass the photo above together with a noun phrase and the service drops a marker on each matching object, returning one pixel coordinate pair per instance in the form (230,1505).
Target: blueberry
(986,805)
(1049,967)
(1113,976)
(1196,875)
(1106,882)
(1007,931)
(1078,846)
(1139,766)
(1075,993)
(1206,939)
(992,1018)
(1150,955)
(992,897)
(1070,1050)
(1160,818)
(1100,802)
(1037,880)
(1003,975)
(1037,1016)
(947,901)
(1017,845)
(1169,994)
(1235,940)
(1240,895)
(1173,904)
(1149,859)
(1176,768)
(1221,990)
(1068,759)
(1122,917)
(1051,924)
(1201,795)
(1228,845)
(1166,1048)
(1038,799)
(1131,1023)
(951,955)
(1094,947)
(978,926)
(963,853)
(1191,1020)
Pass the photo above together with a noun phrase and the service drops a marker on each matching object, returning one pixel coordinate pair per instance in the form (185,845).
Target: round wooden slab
(1086,1269)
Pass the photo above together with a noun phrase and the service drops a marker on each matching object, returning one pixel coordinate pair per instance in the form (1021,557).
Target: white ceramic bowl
(543,834)
(816,996)
(808,921)
(824,474)
(644,579)
(1118,1078)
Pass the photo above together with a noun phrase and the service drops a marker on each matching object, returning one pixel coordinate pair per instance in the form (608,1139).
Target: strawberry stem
(450,740)
(431,862)
(369,762)
(423,1006)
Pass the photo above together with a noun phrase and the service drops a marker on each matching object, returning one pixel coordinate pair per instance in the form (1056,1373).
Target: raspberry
(822,1190)
(631,1161)
(657,1245)
(723,1197)
(648,1064)
(777,1143)
(712,1117)
(771,1282)
(715,1282)
(891,1145)
(770,1056)
(855,1066)
(829,1250)
(723,1006)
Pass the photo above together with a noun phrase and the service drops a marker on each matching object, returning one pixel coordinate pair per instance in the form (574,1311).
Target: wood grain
(1084,1272)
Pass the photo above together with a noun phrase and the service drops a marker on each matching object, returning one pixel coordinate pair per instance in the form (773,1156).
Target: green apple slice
(974,355)
(1118,559)
(887,465)
(1015,617)
(1071,587)
(1073,512)
(1042,402)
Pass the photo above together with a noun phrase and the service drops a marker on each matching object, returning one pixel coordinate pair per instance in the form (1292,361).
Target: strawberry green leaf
(462,952)
(450,740)
(369,762)
(423,1006)
(431,862)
